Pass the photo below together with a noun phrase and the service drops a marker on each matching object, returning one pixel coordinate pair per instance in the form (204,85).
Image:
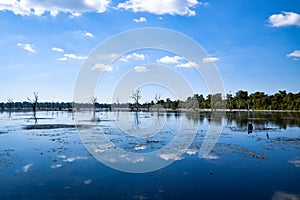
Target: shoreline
(154,110)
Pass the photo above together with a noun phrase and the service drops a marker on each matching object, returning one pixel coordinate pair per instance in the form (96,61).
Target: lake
(156,155)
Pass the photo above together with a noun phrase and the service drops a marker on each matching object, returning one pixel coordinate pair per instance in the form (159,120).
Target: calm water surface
(52,162)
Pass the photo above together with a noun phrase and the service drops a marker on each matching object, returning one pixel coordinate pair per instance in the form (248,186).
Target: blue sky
(43,44)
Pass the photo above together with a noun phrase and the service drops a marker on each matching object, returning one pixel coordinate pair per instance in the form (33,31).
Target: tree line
(241,100)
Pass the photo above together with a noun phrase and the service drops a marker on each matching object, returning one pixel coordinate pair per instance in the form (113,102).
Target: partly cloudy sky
(255,44)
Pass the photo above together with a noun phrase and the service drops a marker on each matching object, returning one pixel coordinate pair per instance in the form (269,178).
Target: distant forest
(240,101)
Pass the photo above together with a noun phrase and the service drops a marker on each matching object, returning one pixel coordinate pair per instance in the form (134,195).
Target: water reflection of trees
(241,120)
(263,119)
(136,122)
(196,117)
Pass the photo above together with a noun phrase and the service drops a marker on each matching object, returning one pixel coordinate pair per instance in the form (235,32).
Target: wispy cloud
(139,20)
(72,56)
(141,69)
(285,19)
(178,60)
(134,56)
(159,7)
(27,47)
(210,59)
(74,15)
(62,58)
(57,49)
(295,54)
(170,60)
(86,34)
(189,64)
(102,67)
(37,7)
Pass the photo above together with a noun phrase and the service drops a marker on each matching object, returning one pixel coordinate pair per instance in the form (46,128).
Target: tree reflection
(136,120)
(260,121)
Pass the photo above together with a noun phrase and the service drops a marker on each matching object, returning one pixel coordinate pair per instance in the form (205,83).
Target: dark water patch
(49,126)
(5,159)
(256,129)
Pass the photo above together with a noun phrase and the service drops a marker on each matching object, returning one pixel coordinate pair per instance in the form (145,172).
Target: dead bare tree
(157,98)
(136,96)
(94,102)
(9,102)
(34,102)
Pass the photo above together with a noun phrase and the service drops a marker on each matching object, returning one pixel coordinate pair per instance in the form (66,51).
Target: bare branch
(94,100)
(136,96)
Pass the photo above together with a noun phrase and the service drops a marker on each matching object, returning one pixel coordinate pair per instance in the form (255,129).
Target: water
(60,163)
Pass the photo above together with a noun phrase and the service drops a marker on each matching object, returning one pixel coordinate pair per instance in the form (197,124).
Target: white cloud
(285,19)
(27,167)
(203,3)
(170,60)
(141,69)
(57,49)
(295,54)
(74,15)
(86,34)
(73,56)
(178,61)
(284,195)
(189,64)
(160,7)
(38,7)
(27,47)
(139,20)
(210,59)
(134,56)
(102,67)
